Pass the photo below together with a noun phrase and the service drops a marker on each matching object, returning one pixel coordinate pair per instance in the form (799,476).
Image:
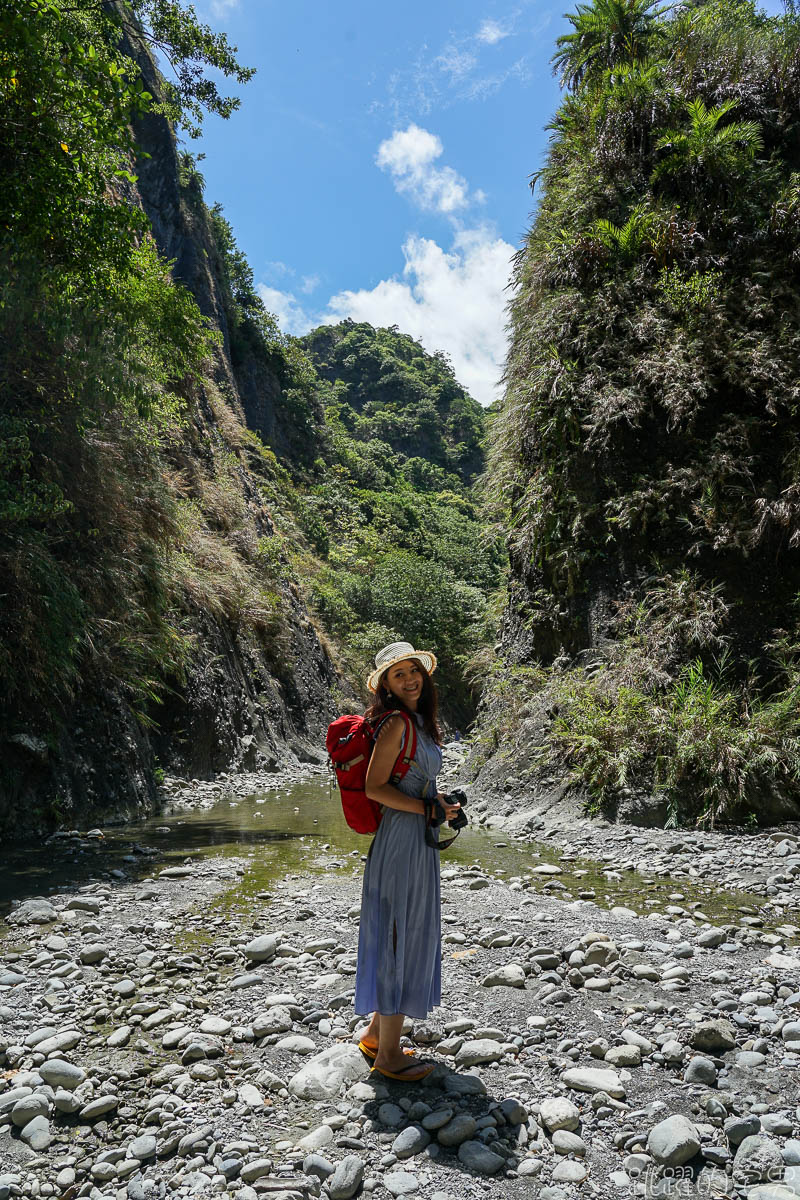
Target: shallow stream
(300,828)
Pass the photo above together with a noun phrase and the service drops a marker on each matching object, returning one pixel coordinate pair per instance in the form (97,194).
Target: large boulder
(673,1141)
(324,1075)
(594,1079)
(758,1160)
(36,911)
(715,1037)
(261,948)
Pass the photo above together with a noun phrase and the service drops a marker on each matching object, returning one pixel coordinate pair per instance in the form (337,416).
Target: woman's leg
(371,1036)
(390,1057)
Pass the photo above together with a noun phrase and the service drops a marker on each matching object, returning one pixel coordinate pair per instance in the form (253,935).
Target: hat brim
(426,659)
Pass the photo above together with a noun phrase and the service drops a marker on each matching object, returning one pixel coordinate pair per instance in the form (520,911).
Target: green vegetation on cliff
(100,352)
(648,447)
(144,529)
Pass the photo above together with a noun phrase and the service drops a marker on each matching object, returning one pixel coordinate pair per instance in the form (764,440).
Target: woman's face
(404,680)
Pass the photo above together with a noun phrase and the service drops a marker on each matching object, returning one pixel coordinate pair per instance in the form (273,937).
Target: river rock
(35,1105)
(262,948)
(99,1107)
(458,1130)
(295,1043)
(401,1183)
(511,975)
(393,1115)
(93,953)
(559,1113)
(142,1147)
(758,1160)
(514,1112)
(216,1025)
(569,1171)
(410,1141)
(37,1133)
(565,1142)
(197,1046)
(624,1056)
(120,1037)
(673,1141)
(436,1119)
(480,1050)
(251,1096)
(66,1102)
(594,1079)
(258,1167)
(316,1164)
(325,1074)
(711,938)
(277,1019)
(249,979)
(36,911)
(479,1158)
(715,1036)
(66,1040)
(316,1139)
(346,1178)
(59,1073)
(9,1099)
(90,904)
(700,1070)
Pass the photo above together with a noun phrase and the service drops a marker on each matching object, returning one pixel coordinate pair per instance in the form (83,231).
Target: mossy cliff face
(648,444)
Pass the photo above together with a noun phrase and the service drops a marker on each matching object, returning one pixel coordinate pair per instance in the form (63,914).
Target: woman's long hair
(427,706)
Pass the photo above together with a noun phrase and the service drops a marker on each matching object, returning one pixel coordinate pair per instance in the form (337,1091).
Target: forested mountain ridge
(185,508)
(403,396)
(396,507)
(648,444)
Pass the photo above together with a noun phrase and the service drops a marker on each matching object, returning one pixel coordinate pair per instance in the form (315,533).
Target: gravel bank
(184,1035)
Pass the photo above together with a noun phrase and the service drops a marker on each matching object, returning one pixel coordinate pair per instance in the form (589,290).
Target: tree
(606,34)
(629,239)
(707,151)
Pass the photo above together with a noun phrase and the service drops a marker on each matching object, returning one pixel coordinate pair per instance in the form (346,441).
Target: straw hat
(395,653)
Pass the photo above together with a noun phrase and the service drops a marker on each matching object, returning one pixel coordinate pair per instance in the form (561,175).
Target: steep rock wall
(244,702)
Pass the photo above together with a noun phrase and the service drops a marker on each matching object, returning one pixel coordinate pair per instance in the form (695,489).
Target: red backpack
(350,742)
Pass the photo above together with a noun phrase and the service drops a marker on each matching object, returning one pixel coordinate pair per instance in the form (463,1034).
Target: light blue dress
(401,899)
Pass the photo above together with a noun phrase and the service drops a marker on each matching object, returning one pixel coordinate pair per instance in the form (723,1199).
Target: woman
(399,943)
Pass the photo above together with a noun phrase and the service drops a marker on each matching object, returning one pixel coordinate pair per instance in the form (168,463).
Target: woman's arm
(381,765)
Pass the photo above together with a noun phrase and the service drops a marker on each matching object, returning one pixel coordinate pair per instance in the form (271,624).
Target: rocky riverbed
(191,1032)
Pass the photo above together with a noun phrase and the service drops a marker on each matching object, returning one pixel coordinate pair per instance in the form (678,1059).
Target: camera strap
(434,816)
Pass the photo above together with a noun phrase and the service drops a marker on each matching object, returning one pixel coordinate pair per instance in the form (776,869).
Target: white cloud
(451,300)
(409,156)
(276,269)
(221,8)
(456,63)
(290,314)
(468,67)
(491,32)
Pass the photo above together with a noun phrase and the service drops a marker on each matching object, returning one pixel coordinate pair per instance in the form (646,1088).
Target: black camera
(457,796)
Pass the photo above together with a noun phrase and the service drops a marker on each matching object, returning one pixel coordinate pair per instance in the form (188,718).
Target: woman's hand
(450,810)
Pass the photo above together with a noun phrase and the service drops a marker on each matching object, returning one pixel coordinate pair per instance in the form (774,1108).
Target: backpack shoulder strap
(408,746)
(407,750)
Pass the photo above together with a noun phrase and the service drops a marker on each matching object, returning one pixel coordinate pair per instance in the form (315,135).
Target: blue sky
(378,166)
